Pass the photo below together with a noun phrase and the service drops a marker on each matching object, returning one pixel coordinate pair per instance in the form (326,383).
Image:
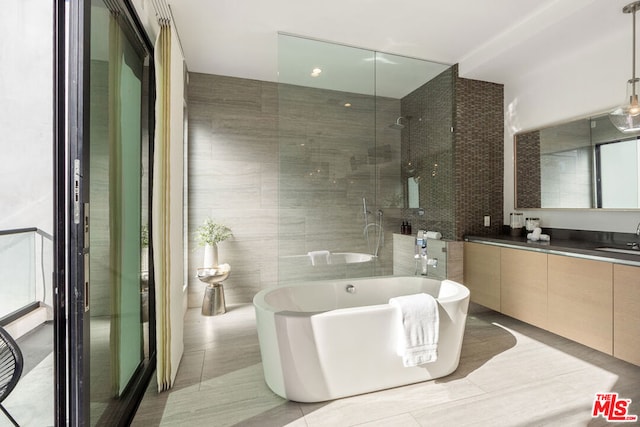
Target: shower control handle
(350,289)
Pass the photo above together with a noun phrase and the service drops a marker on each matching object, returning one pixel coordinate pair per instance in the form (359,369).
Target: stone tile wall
(233,178)
(460,173)
(286,168)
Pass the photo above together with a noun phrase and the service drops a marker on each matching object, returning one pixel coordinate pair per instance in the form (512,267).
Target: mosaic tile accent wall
(478,156)
(460,173)
(430,108)
(528,183)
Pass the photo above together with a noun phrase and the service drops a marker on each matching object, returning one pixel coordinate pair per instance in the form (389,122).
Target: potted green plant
(210,233)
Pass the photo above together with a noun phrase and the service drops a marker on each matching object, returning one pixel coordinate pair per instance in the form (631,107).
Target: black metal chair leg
(9,416)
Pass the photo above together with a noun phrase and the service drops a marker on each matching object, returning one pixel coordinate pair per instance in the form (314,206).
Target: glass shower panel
(327,148)
(354,126)
(424,93)
(403,114)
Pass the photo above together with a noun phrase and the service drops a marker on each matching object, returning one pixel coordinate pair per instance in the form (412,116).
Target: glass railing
(26,266)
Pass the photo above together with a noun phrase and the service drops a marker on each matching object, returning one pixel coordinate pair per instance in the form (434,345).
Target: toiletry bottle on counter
(516,223)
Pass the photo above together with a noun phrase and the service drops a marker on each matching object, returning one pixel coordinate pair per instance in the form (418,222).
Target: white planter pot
(210,256)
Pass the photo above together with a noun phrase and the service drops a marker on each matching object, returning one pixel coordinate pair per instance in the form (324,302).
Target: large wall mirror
(583,164)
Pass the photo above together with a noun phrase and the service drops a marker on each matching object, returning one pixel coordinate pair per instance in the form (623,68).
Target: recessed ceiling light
(347,104)
(316,72)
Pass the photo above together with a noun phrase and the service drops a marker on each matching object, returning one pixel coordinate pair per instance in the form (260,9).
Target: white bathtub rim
(259,300)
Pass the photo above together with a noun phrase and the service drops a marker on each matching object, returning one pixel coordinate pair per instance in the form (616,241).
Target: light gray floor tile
(393,402)
(510,374)
(403,420)
(542,403)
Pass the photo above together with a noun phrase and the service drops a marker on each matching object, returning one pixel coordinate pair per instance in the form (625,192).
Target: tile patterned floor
(510,374)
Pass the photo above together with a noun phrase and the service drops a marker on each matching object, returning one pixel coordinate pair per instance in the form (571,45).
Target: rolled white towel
(319,257)
(537,231)
(541,237)
(436,235)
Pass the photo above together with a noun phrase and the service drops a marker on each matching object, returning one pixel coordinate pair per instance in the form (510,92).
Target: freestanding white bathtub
(325,340)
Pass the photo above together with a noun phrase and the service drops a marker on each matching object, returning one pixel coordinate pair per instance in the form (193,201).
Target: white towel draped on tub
(319,257)
(418,342)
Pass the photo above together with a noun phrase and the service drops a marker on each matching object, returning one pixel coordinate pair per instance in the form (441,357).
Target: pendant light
(627,117)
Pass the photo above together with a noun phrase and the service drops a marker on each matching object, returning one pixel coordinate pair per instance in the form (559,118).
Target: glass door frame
(77,198)
(71,69)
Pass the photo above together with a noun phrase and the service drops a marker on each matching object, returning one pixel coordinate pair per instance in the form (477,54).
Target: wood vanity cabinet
(482,274)
(595,303)
(523,285)
(580,301)
(626,313)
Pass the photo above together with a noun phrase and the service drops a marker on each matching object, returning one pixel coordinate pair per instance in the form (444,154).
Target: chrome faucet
(635,245)
(421,254)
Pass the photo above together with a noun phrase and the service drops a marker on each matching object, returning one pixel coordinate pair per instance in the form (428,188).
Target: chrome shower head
(398,124)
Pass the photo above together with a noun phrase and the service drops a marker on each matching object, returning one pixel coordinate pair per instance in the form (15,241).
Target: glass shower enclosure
(344,133)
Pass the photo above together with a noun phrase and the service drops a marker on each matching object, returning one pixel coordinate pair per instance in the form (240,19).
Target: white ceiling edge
(490,40)
(239,39)
(552,33)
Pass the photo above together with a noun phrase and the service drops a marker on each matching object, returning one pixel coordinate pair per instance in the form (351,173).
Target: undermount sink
(620,251)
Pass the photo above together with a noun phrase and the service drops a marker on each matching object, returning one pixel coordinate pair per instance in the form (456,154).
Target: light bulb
(634,108)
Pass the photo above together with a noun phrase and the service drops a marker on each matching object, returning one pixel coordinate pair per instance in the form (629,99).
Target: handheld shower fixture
(373,246)
(364,207)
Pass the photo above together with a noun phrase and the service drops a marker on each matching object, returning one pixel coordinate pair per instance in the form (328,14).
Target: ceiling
(491,40)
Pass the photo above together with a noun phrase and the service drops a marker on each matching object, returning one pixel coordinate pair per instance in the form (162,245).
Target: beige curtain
(161,206)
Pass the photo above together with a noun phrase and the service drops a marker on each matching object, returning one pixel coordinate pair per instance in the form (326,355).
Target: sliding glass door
(119,177)
(110,281)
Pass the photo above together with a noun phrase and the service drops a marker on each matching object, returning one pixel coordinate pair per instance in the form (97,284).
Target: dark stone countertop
(580,246)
